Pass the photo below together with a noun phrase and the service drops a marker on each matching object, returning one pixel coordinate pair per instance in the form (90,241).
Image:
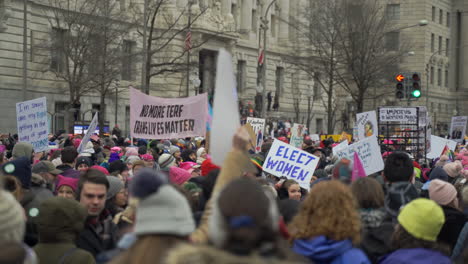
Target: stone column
(284,21)
(246,16)
(226,7)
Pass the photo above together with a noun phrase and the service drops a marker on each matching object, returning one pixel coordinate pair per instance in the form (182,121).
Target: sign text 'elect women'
(293,163)
(162,118)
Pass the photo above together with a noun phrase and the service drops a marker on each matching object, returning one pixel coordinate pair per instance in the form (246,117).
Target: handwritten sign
(367,124)
(369,152)
(458,128)
(161,118)
(32,124)
(297,135)
(401,114)
(89,133)
(340,146)
(437,146)
(258,125)
(293,163)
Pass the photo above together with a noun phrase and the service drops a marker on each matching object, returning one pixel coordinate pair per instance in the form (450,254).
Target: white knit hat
(12,218)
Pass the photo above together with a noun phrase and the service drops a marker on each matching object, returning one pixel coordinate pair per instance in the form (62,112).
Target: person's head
(118,167)
(166,161)
(137,165)
(201,153)
(175,151)
(453,169)
(68,155)
(329,210)
(92,191)
(419,224)
(47,170)
(188,155)
(368,192)
(293,190)
(66,187)
(12,219)
(21,169)
(245,218)
(443,193)
(148,159)
(398,168)
(23,149)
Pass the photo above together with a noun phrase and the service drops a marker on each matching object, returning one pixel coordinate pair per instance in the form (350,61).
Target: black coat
(454,222)
(92,242)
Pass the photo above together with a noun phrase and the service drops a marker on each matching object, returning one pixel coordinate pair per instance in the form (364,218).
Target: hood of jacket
(323,250)
(415,256)
(399,194)
(438,173)
(372,218)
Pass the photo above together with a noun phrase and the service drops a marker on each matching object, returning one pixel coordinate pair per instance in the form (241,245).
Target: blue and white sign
(32,123)
(89,133)
(293,163)
(369,152)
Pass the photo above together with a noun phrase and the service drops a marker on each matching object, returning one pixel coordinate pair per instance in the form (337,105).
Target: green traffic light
(416,93)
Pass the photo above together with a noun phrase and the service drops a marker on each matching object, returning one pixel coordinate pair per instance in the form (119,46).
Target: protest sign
(336,138)
(293,163)
(315,137)
(297,135)
(258,125)
(340,146)
(32,124)
(458,128)
(367,124)
(91,130)
(437,146)
(369,152)
(226,118)
(162,118)
(398,114)
(252,136)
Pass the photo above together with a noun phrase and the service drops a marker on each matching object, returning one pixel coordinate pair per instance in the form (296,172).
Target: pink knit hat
(178,176)
(131,152)
(101,169)
(442,192)
(453,169)
(76,142)
(188,165)
(70,182)
(147,157)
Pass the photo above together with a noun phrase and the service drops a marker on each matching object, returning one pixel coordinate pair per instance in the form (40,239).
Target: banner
(340,146)
(458,128)
(293,163)
(162,118)
(258,125)
(32,123)
(91,130)
(369,152)
(437,146)
(400,114)
(367,124)
(297,135)
(336,138)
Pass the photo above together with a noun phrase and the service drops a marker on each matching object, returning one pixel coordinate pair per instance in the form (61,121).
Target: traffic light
(400,88)
(415,87)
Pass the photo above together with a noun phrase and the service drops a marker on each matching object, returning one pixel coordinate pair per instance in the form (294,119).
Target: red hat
(101,169)
(70,182)
(207,166)
(178,176)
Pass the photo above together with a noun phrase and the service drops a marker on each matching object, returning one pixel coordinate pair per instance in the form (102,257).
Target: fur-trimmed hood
(201,254)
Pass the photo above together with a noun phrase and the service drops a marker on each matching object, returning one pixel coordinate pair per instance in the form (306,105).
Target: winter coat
(399,194)
(415,256)
(234,166)
(201,254)
(30,202)
(454,222)
(67,252)
(322,250)
(92,241)
(68,171)
(377,229)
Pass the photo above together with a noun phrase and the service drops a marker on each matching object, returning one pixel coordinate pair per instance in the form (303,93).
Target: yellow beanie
(422,218)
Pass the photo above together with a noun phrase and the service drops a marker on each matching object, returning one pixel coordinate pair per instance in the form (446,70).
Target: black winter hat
(21,169)
(117,165)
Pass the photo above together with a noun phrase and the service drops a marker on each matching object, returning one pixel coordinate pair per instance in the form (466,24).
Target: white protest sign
(89,133)
(258,125)
(367,124)
(400,114)
(162,118)
(458,128)
(315,137)
(293,163)
(340,146)
(32,123)
(369,152)
(437,146)
(297,135)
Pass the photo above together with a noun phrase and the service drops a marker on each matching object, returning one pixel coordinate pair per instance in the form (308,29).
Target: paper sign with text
(437,146)
(162,118)
(297,135)
(258,125)
(458,128)
(89,133)
(293,163)
(394,114)
(340,146)
(32,123)
(367,124)
(369,152)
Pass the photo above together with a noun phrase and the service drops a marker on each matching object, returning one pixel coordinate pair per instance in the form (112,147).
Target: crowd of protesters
(165,201)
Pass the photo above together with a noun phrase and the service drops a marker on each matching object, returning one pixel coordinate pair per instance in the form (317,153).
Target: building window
(57,62)
(254,21)
(392,41)
(235,15)
(318,125)
(60,112)
(441,17)
(432,75)
(127,120)
(440,44)
(448,19)
(31,45)
(432,42)
(241,75)
(273,26)
(317,87)
(439,77)
(279,81)
(393,11)
(127,59)
(433,13)
(446,78)
(447,47)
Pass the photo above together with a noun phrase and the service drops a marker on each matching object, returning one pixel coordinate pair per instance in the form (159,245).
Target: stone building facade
(241,17)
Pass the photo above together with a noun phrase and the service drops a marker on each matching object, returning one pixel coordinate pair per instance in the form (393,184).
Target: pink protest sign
(161,118)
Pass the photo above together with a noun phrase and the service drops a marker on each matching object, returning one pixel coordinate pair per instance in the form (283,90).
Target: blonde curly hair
(330,210)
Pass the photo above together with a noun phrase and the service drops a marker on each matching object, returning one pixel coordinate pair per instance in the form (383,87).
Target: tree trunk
(360,103)
(331,77)
(102,114)
(69,115)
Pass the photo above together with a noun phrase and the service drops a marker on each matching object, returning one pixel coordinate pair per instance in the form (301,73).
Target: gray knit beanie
(12,218)
(115,185)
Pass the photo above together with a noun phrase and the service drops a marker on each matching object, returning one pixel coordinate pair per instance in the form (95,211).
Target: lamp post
(117,84)
(25,48)
(310,93)
(265,29)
